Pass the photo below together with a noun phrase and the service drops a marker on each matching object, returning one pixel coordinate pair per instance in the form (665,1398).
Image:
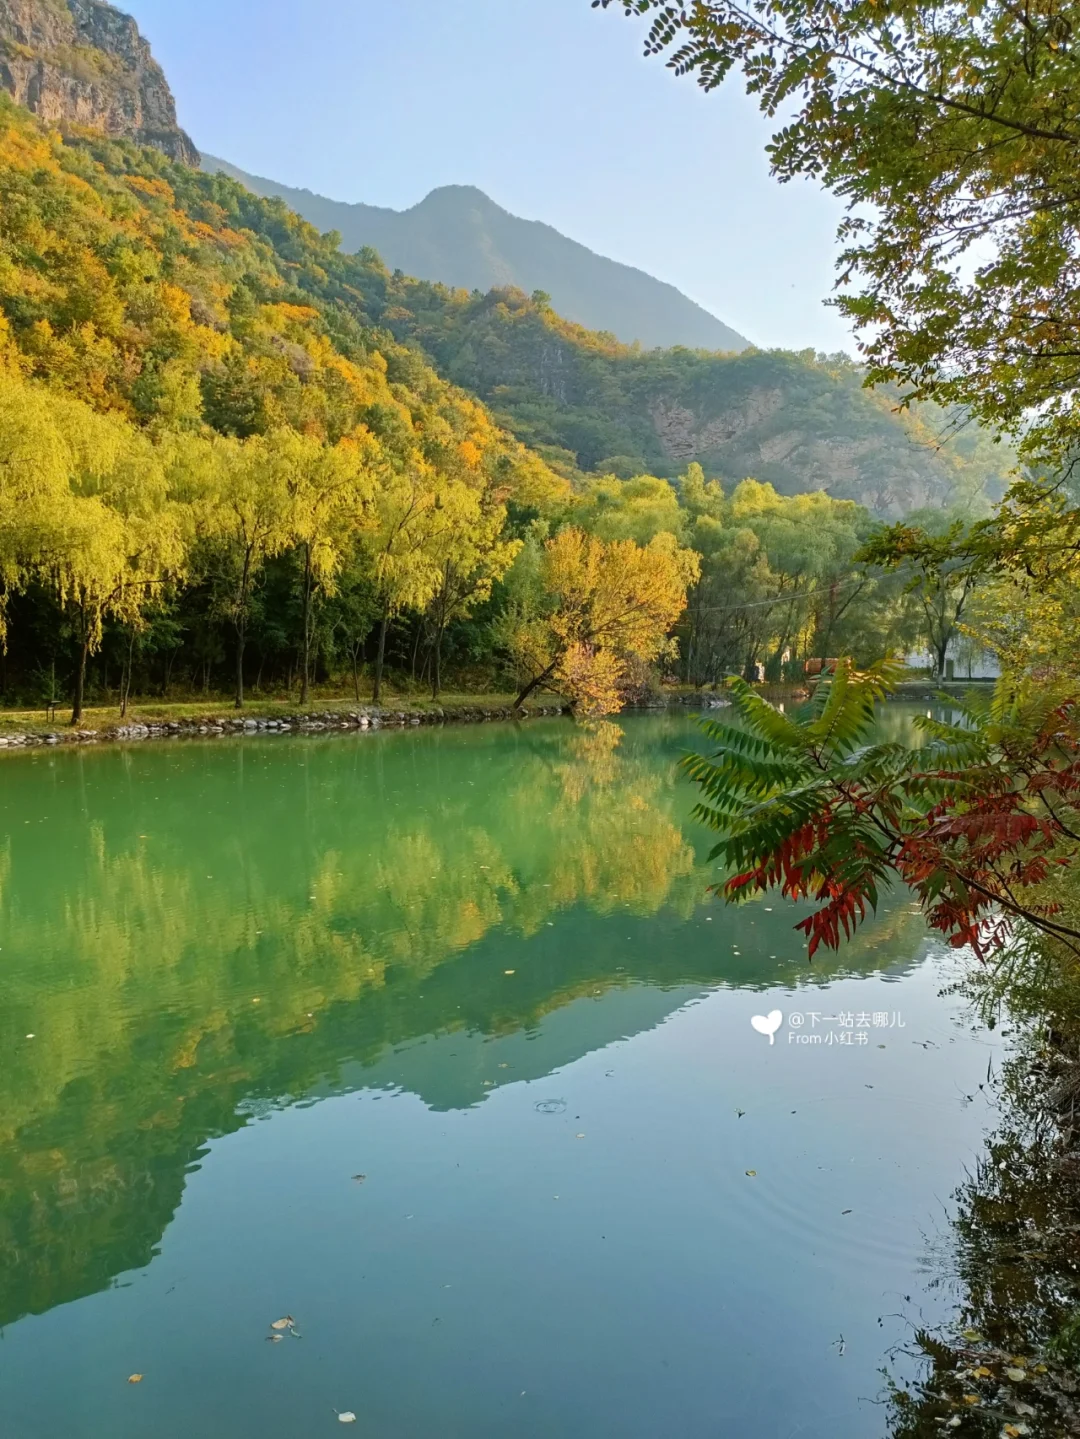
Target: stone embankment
(316,723)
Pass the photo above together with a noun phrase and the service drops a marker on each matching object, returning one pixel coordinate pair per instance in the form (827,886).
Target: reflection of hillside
(189,931)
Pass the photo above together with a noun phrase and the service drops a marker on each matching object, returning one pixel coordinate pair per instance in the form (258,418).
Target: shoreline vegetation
(188,719)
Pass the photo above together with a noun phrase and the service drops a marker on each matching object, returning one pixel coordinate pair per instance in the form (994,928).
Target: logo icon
(768,1024)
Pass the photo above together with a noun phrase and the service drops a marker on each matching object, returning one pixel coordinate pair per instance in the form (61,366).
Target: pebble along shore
(340,720)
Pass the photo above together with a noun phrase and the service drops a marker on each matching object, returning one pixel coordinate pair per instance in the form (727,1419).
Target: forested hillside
(799,422)
(590,403)
(237,457)
(242,467)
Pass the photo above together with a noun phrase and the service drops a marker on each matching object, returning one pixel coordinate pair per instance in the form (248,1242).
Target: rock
(81,62)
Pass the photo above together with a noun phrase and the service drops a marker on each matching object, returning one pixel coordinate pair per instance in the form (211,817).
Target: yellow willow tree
(412,515)
(331,490)
(84,509)
(36,461)
(475,553)
(245,519)
(608,606)
(118,541)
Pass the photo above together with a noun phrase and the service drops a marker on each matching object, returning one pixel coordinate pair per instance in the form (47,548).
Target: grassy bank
(216,714)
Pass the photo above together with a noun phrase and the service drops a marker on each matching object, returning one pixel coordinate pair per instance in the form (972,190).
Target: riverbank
(22,729)
(177,721)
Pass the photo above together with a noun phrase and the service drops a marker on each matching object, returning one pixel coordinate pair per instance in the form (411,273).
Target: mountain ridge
(458,236)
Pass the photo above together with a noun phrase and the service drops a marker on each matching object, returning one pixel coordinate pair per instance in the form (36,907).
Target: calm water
(478,968)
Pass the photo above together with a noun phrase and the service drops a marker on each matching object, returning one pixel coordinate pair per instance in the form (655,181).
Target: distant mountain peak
(461,237)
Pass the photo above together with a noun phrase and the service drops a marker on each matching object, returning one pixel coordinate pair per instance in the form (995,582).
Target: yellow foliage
(612,605)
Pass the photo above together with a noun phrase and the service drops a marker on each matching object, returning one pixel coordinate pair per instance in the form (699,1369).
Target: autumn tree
(976,819)
(329,491)
(476,552)
(605,605)
(412,518)
(87,514)
(246,519)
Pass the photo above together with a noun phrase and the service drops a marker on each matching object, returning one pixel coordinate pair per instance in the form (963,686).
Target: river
(434,1044)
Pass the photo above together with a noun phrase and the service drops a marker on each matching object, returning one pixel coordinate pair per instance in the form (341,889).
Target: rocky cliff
(82,62)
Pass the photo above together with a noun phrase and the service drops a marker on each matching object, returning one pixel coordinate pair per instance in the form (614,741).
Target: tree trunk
(125,677)
(416,647)
(436,669)
(305,677)
(241,641)
(384,626)
(80,678)
(355,675)
(534,684)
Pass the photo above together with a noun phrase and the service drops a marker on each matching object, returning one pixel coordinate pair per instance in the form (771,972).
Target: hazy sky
(547,105)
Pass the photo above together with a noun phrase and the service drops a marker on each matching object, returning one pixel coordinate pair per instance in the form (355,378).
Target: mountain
(231,311)
(586,403)
(81,62)
(458,236)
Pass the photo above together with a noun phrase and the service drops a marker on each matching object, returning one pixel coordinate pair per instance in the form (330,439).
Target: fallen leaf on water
(347,1417)
(751,1174)
(579,1136)
(972,1334)
(1016,1375)
(982,1372)
(845,1211)
(274,1338)
(509,971)
(972,1399)
(286,1323)
(134,1378)
(359,1178)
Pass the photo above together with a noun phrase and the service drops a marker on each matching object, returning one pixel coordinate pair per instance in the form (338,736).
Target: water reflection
(192,933)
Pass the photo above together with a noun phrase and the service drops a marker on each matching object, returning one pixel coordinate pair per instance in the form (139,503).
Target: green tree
(950,131)
(941,581)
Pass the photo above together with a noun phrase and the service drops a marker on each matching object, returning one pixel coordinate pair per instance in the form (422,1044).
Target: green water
(479,968)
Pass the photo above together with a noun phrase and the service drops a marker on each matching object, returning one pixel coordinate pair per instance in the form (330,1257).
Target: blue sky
(547,105)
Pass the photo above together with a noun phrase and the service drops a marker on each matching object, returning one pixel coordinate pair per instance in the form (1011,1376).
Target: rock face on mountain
(797,421)
(458,236)
(82,62)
